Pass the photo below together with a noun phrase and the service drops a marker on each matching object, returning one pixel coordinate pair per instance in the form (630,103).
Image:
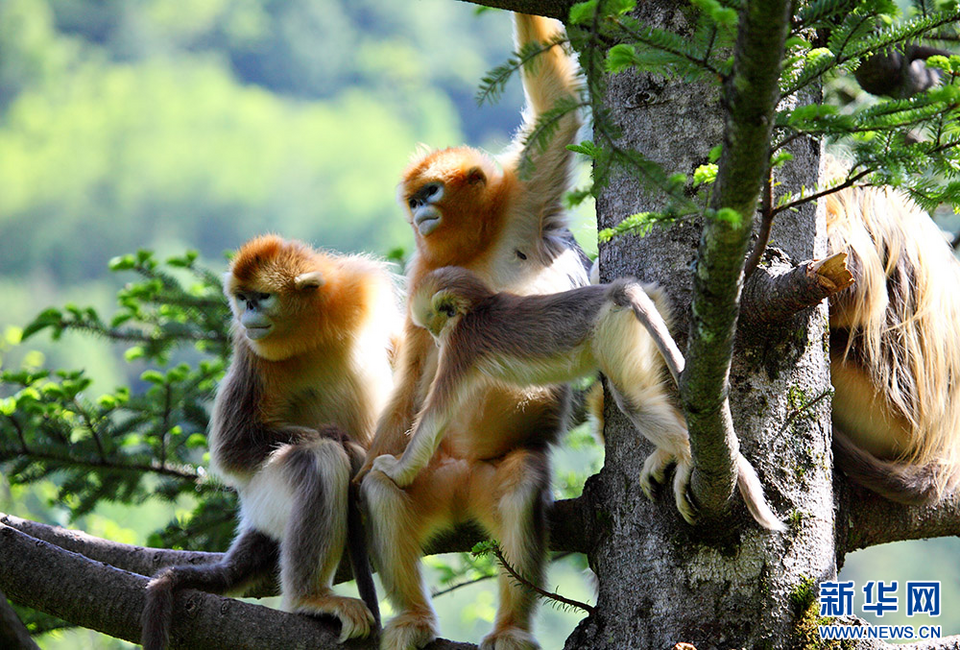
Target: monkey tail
(752,492)
(650,309)
(158,611)
(357,540)
(903,483)
(359,559)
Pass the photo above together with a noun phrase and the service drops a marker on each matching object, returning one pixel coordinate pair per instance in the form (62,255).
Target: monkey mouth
(257,333)
(426,222)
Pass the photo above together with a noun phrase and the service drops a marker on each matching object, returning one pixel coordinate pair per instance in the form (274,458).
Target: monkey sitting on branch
(313,337)
(894,347)
(502,338)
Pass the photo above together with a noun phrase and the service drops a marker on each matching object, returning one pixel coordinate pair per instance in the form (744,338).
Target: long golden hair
(902,314)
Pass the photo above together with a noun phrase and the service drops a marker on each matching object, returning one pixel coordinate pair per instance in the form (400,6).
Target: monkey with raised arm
(312,339)
(493,465)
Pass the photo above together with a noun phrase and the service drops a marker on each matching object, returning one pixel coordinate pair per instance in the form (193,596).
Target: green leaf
(51,317)
(587,148)
(727,215)
(583,12)
(134,352)
(122,263)
(196,441)
(705,174)
(621,57)
(153,377)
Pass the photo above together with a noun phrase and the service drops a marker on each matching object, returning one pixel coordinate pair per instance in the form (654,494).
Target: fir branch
(495,81)
(538,138)
(667,42)
(568,602)
(78,462)
(91,426)
(460,585)
(816,196)
(867,46)
(819,11)
(766,225)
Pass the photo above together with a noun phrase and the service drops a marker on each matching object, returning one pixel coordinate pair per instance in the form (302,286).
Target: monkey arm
(426,439)
(398,417)
(444,399)
(549,83)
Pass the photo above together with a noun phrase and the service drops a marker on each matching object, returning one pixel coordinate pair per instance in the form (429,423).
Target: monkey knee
(380,495)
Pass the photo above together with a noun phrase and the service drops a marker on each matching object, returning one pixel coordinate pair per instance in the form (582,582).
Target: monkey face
(255,311)
(436,311)
(454,202)
(423,211)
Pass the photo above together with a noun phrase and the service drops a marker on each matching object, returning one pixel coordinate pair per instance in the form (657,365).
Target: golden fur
(896,353)
(492,465)
(310,372)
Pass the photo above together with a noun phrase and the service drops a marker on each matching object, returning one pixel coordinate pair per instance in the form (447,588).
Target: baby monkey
(617,328)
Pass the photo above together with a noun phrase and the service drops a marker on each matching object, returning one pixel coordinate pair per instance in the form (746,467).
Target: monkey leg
(318,473)
(510,498)
(252,556)
(649,409)
(401,520)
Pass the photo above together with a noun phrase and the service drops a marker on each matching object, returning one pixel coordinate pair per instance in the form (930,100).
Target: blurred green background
(176,124)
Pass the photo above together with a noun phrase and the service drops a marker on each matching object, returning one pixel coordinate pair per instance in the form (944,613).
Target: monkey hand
(394,469)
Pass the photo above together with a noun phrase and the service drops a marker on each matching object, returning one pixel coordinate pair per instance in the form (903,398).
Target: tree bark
(100,597)
(726,583)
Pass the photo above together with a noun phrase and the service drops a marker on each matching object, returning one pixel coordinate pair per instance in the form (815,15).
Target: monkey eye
(413,203)
(430,190)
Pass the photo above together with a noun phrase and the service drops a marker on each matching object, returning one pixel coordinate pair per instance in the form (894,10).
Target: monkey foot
(681,491)
(511,638)
(654,474)
(409,630)
(354,616)
(654,471)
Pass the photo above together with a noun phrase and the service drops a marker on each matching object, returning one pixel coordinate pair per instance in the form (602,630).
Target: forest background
(172,125)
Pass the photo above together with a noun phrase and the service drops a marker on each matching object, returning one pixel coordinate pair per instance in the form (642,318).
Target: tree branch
(100,597)
(773,294)
(559,9)
(867,519)
(570,525)
(751,95)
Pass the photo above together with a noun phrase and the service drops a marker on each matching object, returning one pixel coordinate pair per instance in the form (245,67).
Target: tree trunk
(734,584)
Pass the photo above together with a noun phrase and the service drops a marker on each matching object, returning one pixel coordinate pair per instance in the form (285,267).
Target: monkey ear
(311,280)
(444,301)
(475,175)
